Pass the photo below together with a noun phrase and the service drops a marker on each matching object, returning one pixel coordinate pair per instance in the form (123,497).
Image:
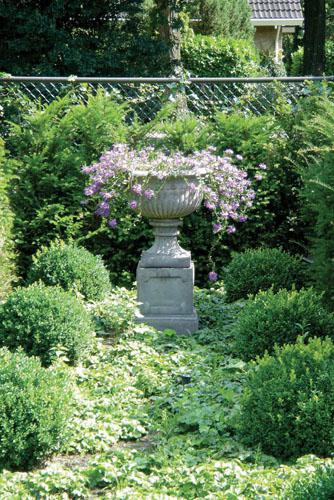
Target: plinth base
(165,297)
(183,325)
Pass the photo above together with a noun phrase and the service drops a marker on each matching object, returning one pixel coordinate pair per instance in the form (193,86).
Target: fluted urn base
(165,251)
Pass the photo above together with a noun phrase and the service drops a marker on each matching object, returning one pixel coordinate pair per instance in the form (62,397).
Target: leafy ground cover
(155,417)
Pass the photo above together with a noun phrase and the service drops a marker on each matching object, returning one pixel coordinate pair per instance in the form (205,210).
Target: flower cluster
(126,172)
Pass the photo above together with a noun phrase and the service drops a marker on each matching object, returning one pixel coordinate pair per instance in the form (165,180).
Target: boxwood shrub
(318,485)
(288,403)
(72,268)
(43,320)
(280,318)
(35,406)
(261,269)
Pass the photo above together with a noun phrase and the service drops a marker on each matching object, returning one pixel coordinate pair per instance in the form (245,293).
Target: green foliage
(6,238)
(319,195)
(288,403)
(115,314)
(262,139)
(280,318)
(317,154)
(222,18)
(35,405)
(261,269)
(296,67)
(214,56)
(46,193)
(329,64)
(173,400)
(15,103)
(317,485)
(46,322)
(216,318)
(85,38)
(72,268)
(187,134)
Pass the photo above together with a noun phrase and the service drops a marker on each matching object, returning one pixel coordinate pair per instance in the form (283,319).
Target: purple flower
(230,229)
(89,191)
(149,193)
(107,196)
(209,205)
(137,189)
(112,223)
(213,276)
(263,166)
(133,204)
(225,186)
(103,209)
(258,177)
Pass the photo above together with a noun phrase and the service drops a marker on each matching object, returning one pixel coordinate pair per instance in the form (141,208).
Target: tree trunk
(169,30)
(314,37)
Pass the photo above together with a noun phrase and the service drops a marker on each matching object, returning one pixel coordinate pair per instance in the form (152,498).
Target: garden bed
(155,418)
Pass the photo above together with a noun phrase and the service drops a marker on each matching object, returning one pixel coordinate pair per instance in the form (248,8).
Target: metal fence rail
(146,96)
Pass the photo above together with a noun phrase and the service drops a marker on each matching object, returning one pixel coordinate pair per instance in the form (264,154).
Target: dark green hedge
(261,269)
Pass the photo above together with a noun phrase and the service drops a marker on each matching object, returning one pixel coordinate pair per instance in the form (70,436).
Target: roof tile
(276,9)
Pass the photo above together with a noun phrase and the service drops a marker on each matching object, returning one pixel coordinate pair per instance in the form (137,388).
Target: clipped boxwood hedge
(35,407)
(261,269)
(72,268)
(43,320)
(280,318)
(318,485)
(287,407)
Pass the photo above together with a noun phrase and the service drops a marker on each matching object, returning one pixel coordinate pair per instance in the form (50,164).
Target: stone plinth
(165,297)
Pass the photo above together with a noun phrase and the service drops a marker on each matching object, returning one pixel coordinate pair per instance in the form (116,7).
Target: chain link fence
(146,96)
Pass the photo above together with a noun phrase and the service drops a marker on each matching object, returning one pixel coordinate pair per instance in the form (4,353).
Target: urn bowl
(174,197)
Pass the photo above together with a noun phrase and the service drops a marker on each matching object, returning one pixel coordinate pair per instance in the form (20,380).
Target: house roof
(269,11)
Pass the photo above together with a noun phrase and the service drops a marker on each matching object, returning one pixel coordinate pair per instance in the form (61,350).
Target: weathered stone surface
(165,297)
(175,197)
(166,251)
(183,325)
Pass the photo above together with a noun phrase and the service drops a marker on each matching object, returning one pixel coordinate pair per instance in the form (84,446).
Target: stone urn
(165,273)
